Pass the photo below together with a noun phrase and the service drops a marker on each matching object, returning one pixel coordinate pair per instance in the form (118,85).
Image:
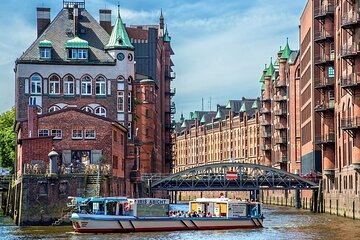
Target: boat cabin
(149,207)
(224,207)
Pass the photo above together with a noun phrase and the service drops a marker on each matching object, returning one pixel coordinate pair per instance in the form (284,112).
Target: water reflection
(280,223)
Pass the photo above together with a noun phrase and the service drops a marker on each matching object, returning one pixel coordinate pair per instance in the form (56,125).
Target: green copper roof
(45,43)
(255,105)
(195,115)
(184,124)
(119,38)
(77,42)
(270,70)
(286,52)
(228,105)
(203,120)
(167,38)
(182,117)
(191,115)
(262,79)
(262,87)
(276,63)
(219,115)
(243,108)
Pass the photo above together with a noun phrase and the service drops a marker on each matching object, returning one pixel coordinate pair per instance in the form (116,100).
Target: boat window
(111,208)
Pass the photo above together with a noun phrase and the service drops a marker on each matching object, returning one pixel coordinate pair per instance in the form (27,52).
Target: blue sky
(220,46)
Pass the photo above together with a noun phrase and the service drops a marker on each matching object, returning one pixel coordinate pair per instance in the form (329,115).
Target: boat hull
(88,224)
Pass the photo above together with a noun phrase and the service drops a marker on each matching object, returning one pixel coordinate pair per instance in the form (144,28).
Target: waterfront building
(78,64)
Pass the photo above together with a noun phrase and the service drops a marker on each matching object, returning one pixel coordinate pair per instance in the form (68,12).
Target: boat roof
(98,199)
(218,200)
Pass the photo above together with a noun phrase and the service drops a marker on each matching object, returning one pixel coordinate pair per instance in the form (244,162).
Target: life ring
(127,207)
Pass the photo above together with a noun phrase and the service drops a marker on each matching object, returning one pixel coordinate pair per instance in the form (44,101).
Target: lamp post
(53,161)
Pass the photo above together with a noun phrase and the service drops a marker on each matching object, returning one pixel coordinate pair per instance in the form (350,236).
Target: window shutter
(66,156)
(95,156)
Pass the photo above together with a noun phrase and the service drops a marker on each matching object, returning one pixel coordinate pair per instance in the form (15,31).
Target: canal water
(280,223)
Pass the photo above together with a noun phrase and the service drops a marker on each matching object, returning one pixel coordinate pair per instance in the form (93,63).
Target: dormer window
(45,47)
(77,49)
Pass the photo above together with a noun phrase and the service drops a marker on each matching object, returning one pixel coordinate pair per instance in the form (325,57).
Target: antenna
(210,103)
(202,104)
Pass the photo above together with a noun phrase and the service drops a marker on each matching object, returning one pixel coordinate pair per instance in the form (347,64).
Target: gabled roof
(119,38)
(60,31)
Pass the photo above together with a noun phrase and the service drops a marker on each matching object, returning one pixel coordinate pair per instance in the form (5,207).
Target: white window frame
(73,53)
(45,53)
(82,54)
(129,101)
(100,86)
(57,133)
(43,132)
(68,84)
(54,108)
(77,134)
(88,109)
(129,130)
(90,134)
(100,111)
(85,83)
(36,84)
(120,101)
(54,85)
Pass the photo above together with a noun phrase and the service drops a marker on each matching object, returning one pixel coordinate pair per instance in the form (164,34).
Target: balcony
(281,140)
(266,147)
(169,74)
(324,59)
(349,51)
(265,123)
(325,106)
(265,99)
(351,123)
(280,112)
(266,134)
(323,36)
(350,20)
(171,92)
(327,138)
(324,82)
(280,84)
(278,98)
(281,159)
(280,126)
(350,81)
(324,11)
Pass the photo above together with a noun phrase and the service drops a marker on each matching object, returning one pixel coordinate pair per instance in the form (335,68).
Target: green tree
(7,139)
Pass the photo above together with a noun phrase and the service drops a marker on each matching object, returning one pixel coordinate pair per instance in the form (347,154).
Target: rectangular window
(90,134)
(57,133)
(331,72)
(54,87)
(77,134)
(45,53)
(73,53)
(69,88)
(129,130)
(115,162)
(43,132)
(122,139)
(82,54)
(115,136)
(120,101)
(129,101)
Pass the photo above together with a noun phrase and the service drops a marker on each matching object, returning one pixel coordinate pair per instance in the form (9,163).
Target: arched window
(68,85)
(86,86)
(54,108)
(100,86)
(39,110)
(87,109)
(36,87)
(54,85)
(100,111)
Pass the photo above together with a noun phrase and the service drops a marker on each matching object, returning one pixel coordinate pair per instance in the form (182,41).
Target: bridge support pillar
(297,199)
(314,205)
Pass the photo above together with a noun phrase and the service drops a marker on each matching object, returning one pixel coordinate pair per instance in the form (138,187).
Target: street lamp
(53,161)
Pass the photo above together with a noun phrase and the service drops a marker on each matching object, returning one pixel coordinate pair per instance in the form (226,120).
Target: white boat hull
(101,223)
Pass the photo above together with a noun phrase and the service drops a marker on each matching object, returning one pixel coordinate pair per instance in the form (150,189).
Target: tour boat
(120,214)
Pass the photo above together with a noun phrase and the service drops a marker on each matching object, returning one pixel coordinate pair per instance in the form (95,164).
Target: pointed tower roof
(219,115)
(119,38)
(262,87)
(161,14)
(203,120)
(286,52)
(195,115)
(243,108)
(184,124)
(182,117)
(276,63)
(270,70)
(262,79)
(167,38)
(255,105)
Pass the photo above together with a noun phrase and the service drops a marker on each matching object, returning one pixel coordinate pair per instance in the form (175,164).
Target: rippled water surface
(280,223)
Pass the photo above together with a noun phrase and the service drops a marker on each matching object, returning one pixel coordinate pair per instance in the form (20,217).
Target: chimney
(105,20)
(32,121)
(76,19)
(43,19)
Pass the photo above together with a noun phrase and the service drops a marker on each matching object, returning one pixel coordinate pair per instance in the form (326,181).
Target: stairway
(91,186)
(65,218)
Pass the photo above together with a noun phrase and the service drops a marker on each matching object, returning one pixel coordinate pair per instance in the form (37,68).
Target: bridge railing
(153,176)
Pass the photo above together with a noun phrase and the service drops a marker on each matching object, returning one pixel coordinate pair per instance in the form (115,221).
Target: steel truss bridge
(229,177)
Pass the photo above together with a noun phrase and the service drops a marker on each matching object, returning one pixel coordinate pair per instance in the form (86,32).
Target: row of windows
(72,53)
(76,133)
(86,86)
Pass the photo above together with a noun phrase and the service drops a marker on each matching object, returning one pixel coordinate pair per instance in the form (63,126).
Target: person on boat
(208,214)
(221,195)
